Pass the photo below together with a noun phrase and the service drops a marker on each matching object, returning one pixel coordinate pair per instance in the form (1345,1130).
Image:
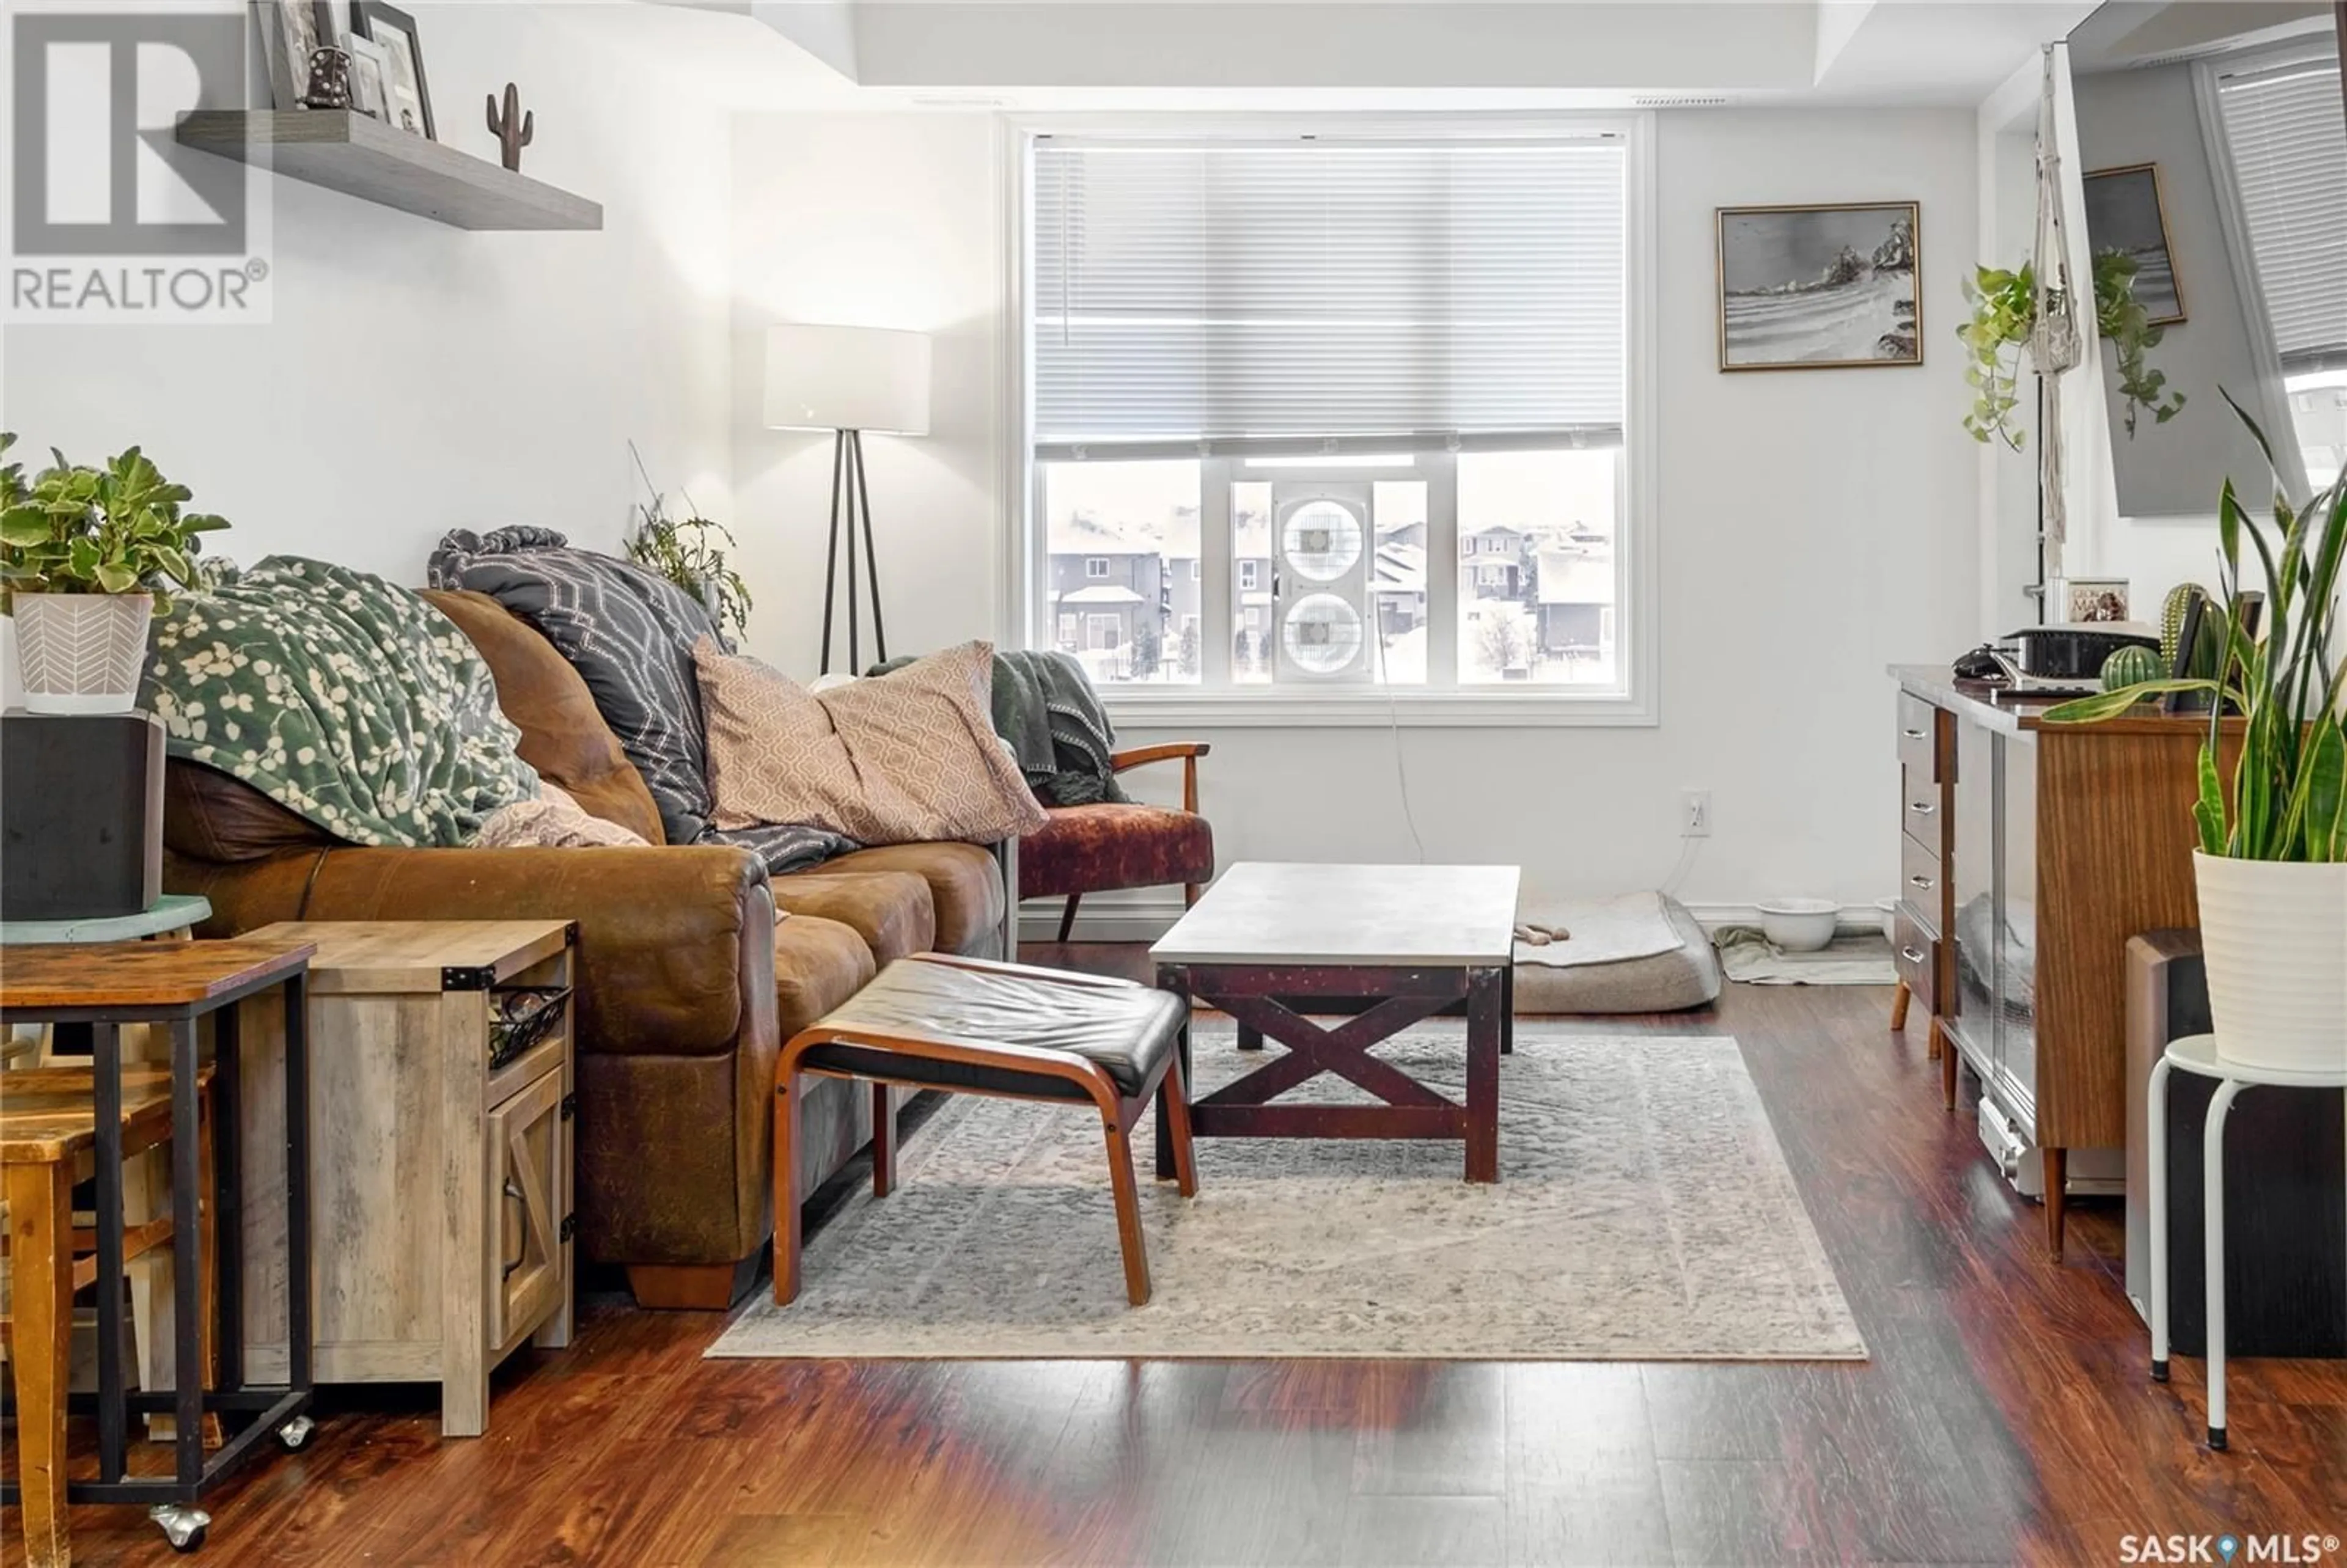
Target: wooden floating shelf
(350,152)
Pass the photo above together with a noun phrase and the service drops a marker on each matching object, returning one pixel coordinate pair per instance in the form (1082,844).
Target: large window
(1342,415)
(2286,139)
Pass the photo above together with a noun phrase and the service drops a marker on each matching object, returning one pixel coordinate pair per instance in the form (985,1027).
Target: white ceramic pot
(82,652)
(2274,935)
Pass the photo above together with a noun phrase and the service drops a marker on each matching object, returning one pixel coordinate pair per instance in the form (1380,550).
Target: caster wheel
(296,1433)
(183,1527)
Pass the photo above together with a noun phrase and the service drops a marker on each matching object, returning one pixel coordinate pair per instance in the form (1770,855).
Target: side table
(2198,1054)
(174,985)
(440,1158)
(174,918)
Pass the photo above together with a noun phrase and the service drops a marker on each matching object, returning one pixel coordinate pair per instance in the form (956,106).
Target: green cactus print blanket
(346,698)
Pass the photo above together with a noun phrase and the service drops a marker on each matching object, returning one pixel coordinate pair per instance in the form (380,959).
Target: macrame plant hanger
(2054,344)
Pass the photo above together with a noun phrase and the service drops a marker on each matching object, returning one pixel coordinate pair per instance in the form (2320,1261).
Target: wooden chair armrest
(1188,750)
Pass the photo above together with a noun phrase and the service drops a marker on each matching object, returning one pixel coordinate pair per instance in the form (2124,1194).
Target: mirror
(2213,152)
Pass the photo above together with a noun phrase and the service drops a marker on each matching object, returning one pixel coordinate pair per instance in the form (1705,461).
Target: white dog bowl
(1889,908)
(1800,925)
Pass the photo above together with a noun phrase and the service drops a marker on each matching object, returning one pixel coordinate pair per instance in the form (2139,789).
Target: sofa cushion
(563,734)
(909,759)
(212,815)
(890,909)
(818,964)
(1096,848)
(965,888)
(628,632)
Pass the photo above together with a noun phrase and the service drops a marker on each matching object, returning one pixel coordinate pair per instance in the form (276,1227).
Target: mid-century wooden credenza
(2030,854)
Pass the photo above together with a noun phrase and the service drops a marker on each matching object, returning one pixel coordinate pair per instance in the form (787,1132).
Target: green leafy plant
(2004,313)
(115,529)
(2289,795)
(686,551)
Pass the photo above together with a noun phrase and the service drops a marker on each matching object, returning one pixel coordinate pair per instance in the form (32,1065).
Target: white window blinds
(1326,295)
(2287,137)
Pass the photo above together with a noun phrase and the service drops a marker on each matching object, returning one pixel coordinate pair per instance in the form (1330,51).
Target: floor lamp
(848,380)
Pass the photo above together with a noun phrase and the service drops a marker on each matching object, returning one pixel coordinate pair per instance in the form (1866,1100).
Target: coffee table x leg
(1271,1001)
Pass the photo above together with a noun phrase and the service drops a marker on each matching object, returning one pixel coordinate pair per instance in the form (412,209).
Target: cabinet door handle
(1919,880)
(514,1194)
(1912,734)
(1911,955)
(1921,807)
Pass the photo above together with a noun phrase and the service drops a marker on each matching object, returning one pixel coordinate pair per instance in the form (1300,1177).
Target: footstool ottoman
(970,1026)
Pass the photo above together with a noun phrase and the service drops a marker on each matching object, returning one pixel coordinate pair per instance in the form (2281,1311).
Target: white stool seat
(2198,1054)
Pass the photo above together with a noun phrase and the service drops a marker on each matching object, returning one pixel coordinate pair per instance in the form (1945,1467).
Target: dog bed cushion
(1687,977)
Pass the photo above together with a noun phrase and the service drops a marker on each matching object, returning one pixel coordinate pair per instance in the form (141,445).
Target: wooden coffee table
(1398,942)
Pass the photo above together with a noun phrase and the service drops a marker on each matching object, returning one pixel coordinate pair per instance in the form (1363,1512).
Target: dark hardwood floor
(2004,1417)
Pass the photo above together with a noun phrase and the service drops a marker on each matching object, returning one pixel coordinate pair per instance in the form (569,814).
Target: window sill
(1340,708)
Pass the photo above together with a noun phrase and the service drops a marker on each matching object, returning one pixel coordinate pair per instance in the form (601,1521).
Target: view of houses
(1536,582)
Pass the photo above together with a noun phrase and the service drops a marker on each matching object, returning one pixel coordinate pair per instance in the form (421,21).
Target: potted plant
(2271,863)
(85,555)
(682,550)
(2004,312)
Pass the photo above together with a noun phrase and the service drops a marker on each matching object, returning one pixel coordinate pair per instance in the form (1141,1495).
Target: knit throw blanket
(346,698)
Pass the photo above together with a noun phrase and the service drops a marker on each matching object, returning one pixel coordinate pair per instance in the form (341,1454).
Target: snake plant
(2289,689)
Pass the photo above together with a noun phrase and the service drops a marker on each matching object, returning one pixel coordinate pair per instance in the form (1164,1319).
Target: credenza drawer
(1918,740)
(1916,952)
(1918,808)
(1923,880)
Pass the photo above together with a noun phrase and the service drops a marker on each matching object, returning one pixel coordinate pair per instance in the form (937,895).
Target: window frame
(1213,700)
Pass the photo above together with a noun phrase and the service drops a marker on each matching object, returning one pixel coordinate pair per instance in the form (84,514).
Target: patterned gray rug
(1645,1213)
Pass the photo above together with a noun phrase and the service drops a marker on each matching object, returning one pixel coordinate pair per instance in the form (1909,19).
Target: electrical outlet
(1694,813)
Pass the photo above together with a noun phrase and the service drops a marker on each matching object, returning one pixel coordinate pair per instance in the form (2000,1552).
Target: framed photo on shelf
(408,98)
(2092,601)
(2125,212)
(290,32)
(1820,286)
(370,77)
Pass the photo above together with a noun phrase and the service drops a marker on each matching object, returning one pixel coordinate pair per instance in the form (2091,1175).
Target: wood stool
(970,1026)
(48,1134)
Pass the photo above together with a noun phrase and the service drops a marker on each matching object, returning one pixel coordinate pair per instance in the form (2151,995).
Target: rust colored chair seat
(1115,845)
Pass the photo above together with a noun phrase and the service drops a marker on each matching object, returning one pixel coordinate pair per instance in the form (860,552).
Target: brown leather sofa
(695,966)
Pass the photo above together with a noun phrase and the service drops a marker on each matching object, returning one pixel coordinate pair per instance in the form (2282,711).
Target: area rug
(1644,1212)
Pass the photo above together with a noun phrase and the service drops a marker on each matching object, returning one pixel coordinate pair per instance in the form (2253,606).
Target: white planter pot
(2274,934)
(82,652)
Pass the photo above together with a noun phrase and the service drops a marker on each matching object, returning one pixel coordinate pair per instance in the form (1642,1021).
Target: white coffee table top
(1277,912)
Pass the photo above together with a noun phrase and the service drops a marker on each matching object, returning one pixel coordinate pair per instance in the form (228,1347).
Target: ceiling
(1358,55)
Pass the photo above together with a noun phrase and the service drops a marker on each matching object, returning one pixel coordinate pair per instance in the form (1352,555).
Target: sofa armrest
(662,932)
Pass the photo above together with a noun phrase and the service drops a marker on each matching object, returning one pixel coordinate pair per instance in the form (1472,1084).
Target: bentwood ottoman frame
(862,1039)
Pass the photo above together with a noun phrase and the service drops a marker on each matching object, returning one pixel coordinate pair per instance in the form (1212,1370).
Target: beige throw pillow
(895,759)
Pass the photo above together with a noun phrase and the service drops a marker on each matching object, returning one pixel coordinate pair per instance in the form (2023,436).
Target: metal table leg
(2159,1199)
(2212,1187)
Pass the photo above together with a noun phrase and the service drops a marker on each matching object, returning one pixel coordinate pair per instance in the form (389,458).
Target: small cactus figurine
(2130,666)
(513,129)
(2172,611)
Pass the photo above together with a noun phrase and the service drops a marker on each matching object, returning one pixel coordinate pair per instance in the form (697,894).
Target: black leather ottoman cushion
(1128,1030)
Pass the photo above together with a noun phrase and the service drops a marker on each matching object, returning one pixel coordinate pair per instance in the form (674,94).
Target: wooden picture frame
(406,90)
(2133,204)
(1784,304)
(280,23)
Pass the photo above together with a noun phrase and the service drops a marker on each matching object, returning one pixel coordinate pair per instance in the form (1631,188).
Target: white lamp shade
(847,378)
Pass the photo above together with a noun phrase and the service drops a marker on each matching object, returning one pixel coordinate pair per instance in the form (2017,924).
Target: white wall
(416,377)
(884,220)
(1816,524)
